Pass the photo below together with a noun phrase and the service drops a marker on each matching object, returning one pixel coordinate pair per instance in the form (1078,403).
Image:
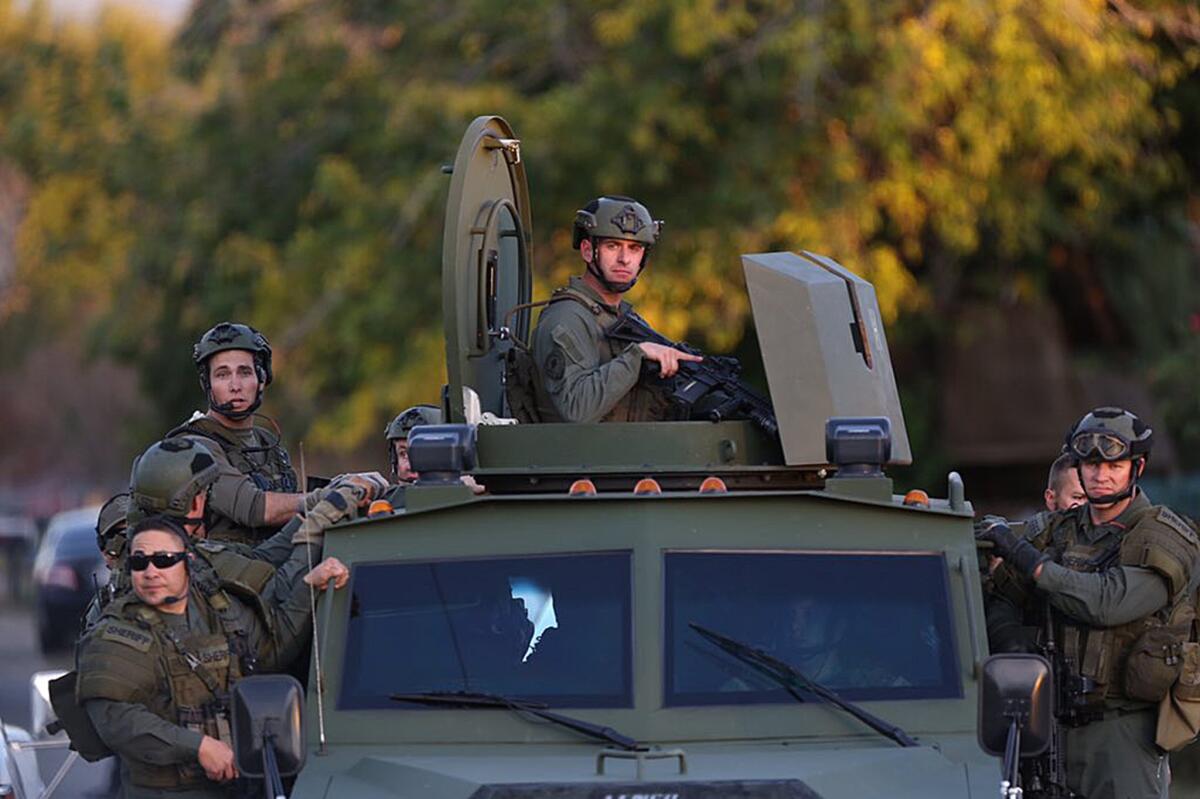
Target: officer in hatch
(583,376)
(256,490)
(156,671)
(1116,577)
(397,439)
(396,434)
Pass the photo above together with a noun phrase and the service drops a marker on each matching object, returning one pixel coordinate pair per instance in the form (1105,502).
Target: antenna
(312,607)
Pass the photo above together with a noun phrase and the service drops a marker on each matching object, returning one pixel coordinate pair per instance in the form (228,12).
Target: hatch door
(485,263)
(824,350)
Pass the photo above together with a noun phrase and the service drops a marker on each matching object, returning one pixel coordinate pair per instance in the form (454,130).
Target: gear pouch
(1154,663)
(1179,711)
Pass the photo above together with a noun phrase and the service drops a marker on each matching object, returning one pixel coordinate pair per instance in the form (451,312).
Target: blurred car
(18,537)
(66,571)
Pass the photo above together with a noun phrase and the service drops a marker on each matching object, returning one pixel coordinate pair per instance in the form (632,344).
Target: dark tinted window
(552,628)
(870,626)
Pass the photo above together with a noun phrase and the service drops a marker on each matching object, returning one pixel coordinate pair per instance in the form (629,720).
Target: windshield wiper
(473,699)
(794,681)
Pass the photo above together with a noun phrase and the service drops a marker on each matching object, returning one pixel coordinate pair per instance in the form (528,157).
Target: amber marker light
(713,485)
(647,485)
(380,507)
(917,498)
(582,488)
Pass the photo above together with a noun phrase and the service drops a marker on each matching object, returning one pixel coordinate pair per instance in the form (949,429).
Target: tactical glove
(1016,551)
(368,485)
(336,504)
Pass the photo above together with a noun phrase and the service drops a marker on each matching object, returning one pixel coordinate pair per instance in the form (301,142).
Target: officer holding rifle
(1114,576)
(583,375)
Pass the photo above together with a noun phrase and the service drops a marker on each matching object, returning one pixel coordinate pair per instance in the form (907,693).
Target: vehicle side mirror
(268,726)
(1020,689)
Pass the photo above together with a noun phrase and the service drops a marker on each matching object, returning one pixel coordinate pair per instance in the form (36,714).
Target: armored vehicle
(678,609)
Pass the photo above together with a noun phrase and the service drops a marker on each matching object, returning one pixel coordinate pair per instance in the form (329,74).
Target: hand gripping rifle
(1072,706)
(709,389)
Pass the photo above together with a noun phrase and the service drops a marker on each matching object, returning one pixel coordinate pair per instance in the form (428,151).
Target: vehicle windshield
(869,626)
(547,628)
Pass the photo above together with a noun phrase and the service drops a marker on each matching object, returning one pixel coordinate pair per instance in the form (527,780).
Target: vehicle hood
(762,771)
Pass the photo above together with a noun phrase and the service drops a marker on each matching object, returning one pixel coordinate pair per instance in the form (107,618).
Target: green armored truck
(682,609)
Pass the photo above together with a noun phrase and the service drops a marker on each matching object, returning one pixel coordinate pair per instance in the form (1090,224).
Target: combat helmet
(404,422)
(169,475)
(233,336)
(110,526)
(615,217)
(1110,434)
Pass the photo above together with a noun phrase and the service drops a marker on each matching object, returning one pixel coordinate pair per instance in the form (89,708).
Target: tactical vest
(196,670)
(1141,659)
(646,401)
(268,465)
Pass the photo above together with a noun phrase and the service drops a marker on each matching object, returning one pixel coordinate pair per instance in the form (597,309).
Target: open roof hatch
(823,349)
(485,262)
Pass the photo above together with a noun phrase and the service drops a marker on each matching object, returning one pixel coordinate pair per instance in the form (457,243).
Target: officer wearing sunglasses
(174,478)
(1113,579)
(155,673)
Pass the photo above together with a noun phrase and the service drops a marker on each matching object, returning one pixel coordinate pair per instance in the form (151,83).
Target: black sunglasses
(161,560)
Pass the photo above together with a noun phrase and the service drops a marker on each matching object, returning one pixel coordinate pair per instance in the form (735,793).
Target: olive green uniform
(252,462)
(153,684)
(289,562)
(1113,587)
(582,375)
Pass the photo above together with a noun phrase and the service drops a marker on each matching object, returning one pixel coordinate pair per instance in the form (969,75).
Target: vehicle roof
(77,517)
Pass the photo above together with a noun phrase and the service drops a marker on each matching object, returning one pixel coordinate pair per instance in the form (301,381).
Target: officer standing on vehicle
(155,673)
(1116,575)
(582,375)
(256,490)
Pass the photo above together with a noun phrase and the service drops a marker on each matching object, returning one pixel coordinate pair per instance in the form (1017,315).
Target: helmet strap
(192,523)
(1104,500)
(616,288)
(226,408)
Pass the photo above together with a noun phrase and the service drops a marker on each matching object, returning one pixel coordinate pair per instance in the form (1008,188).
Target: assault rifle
(1073,703)
(1047,774)
(710,389)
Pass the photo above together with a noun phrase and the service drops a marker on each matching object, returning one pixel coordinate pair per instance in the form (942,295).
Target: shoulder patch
(128,635)
(1177,523)
(556,365)
(210,546)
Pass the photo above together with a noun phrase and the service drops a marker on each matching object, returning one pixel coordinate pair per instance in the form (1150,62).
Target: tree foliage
(279,163)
